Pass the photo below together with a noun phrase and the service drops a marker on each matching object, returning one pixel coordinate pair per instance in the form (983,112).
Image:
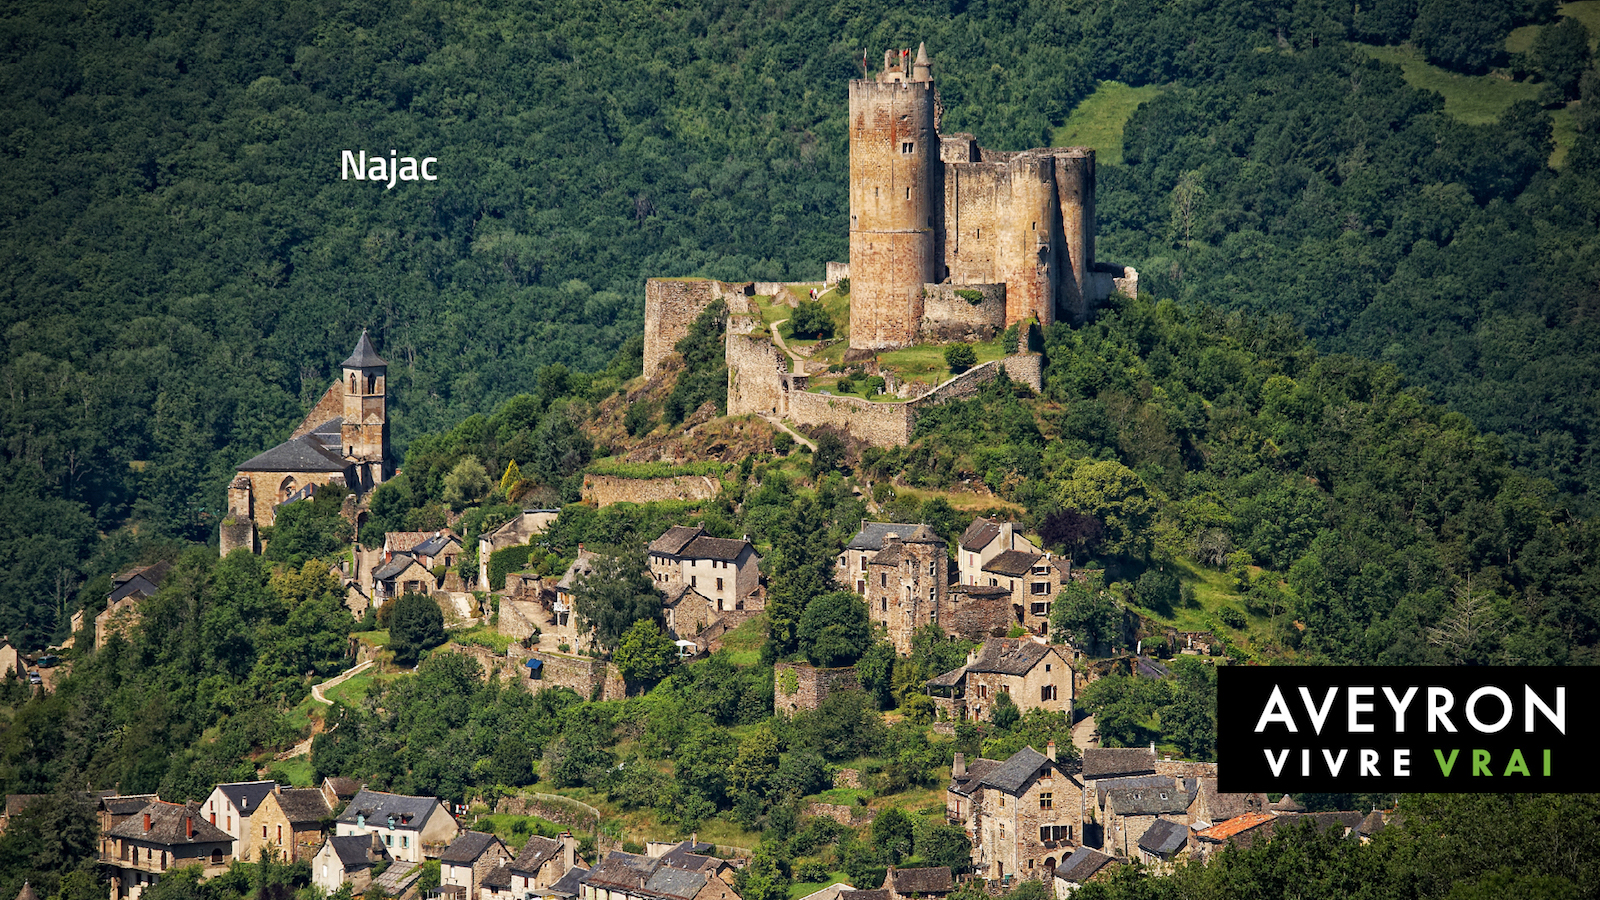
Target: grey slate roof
(922,535)
(246,796)
(1111,762)
(27,892)
(1103,787)
(343,788)
(352,850)
(1164,838)
(673,540)
(583,565)
(168,826)
(979,534)
(1082,865)
(641,875)
(365,356)
(377,806)
(535,853)
(128,804)
(949,679)
(1155,800)
(303,805)
(568,885)
(714,548)
(1009,656)
(678,593)
(302,454)
(498,877)
(1227,806)
(976,770)
(1012,563)
(871,535)
(931,880)
(891,556)
(468,846)
(393,567)
(1342,821)
(435,545)
(1372,824)
(1287,803)
(1012,774)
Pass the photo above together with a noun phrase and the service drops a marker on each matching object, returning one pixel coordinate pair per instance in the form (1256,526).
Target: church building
(344,441)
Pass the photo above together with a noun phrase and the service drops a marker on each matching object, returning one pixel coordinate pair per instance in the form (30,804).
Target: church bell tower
(365,432)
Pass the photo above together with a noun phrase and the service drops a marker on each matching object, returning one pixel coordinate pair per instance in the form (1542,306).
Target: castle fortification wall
(756,370)
(580,674)
(880,424)
(1027,368)
(834,272)
(799,686)
(948,316)
(604,490)
(671,305)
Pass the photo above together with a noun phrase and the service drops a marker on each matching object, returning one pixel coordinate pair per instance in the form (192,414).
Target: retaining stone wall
(948,316)
(670,307)
(836,271)
(880,424)
(604,490)
(810,685)
(756,371)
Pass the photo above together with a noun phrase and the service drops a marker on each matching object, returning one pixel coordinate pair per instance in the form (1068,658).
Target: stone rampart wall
(881,424)
(798,686)
(581,674)
(604,490)
(670,307)
(836,271)
(948,316)
(755,376)
(580,817)
(848,816)
(1027,368)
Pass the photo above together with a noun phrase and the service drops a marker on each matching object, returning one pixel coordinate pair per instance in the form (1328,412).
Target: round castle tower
(896,201)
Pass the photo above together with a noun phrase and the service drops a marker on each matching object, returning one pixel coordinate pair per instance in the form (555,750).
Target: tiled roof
(949,679)
(343,788)
(871,535)
(932,880)
(403,541)
(365,356)
(302,454)
(16,803)
(152,573)
(377,806)
(980,590)
(435,545)
(1012,563)
(923,535)
(1287,803)
(1110,762)
(1164,838)
(127,805)
(1342,821)
(876,894)
(303,805)
(1223,806)
(498,877)
(1235,826)
(583,565)
(1373,823)
(470,845)
(642,876)
(673,540)
(891,556)
(27,892)
(678,593)
(169,824)
(1082,865)
(979,534)
(714,548)
(246,796)
(535,853)
(1012,774)
(1009,656)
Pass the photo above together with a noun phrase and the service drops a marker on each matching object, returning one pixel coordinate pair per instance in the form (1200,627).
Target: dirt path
(778,423)
(1083,734)
(341,678)
(777,338)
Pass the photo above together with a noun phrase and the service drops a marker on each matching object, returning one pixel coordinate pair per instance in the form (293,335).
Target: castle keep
(945,235)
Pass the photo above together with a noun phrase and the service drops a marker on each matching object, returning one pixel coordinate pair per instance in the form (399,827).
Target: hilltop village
(951,244)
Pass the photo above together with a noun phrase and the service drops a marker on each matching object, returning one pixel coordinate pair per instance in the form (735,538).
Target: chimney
(1050,751)
(958,769)
(569,851)
(188,826)
(146,821)
(694,840)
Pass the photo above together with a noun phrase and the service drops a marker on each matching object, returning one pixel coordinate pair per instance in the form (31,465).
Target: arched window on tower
(372,384)
(352,382)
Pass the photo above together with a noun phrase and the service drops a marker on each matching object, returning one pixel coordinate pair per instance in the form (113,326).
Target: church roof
(365,356)
(303,454)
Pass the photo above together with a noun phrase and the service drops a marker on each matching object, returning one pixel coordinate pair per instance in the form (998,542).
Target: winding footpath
(341,678)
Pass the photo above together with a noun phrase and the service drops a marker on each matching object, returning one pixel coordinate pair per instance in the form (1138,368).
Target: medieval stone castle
(948,241)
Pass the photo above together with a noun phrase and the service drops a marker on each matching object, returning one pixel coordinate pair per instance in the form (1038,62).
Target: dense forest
(183,265)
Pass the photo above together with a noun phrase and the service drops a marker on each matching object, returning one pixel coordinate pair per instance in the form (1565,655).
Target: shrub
(969,295)
(843,286)
(811,319)
(1231,617)
(782,443)
(960,357)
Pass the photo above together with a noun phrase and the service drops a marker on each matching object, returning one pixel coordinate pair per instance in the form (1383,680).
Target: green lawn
(1098,120)
(515,830)
(1585,11)
(806,888)
(352,692)
(925,362)
(375,638)
(1476,99)
(483,636)
(297,771)
(743,644)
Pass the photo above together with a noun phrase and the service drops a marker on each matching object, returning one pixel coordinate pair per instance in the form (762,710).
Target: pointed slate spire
(365,355)
(922,54)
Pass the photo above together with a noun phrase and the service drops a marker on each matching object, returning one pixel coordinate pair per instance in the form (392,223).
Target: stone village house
(541,863)
(722,570)
(351,859)
(410,827)
(230,807)
(162,836)
(1023,815)
(290,822)
(463,865)
(1035,675)
(678,874)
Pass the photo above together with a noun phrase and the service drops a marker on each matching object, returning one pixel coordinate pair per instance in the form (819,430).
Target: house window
(280,834)
(1048,692)
(931,570)
(1045,801)
(863,562)
(906,146)
(1040,609)
(885,602)
(1041,587)
(908,193)
(693,580)
(983,694)
(404,842)
(932,595)
(263,832)
(216,860)
(719,584)
(883,579)
(388,840)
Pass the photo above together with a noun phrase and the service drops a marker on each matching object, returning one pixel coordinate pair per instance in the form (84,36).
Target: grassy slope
(1098,120)
(1475,99)
(1585,11)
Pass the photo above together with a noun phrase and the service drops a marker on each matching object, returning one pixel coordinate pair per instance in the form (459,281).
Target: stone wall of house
(948,316)
(757,372)
(670,307)
(798,686)
(604,490)
(1183,768)
(976,616)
